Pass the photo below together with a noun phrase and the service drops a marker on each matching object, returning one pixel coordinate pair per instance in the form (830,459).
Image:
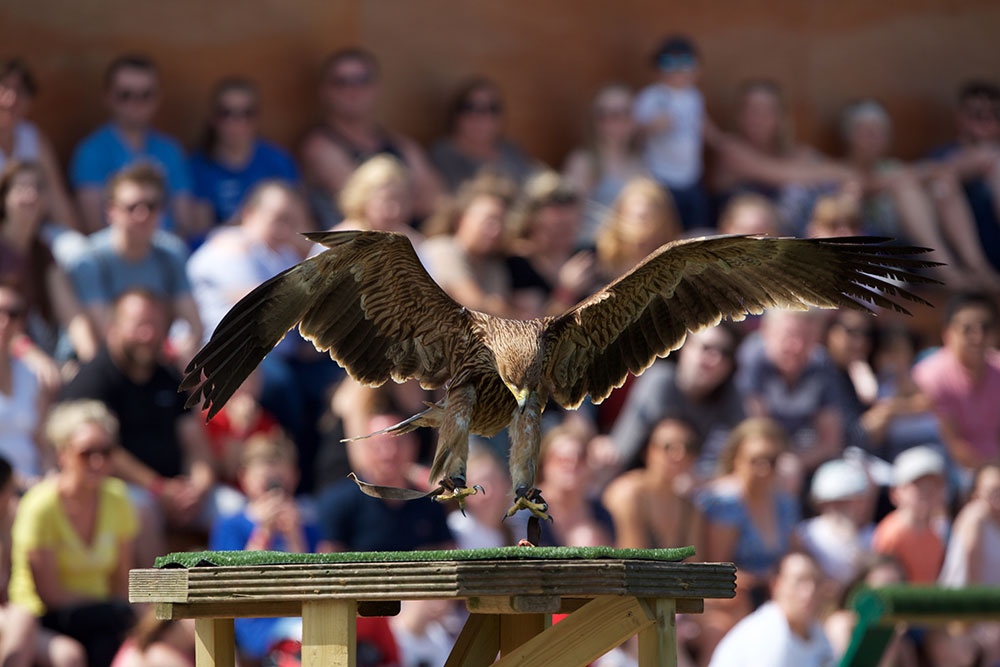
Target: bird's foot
(531,500)
(454,488)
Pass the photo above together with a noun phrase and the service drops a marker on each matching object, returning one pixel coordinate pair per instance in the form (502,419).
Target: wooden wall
(549,57)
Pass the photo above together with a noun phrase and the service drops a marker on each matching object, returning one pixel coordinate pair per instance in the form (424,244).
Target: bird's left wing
(691,284)
(367,300)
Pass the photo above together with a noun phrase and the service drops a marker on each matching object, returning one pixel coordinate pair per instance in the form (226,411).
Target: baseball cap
(837,480)
(676,52)
(915,463)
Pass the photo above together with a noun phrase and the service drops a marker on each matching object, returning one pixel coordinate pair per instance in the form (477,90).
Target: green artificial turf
(209,558)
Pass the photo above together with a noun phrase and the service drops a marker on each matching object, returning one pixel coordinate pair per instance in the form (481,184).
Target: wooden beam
(214,643)
(514,604)
(153,585)
(658,642)
(329,633)
(690,606)
(478,643)
(584,635)
(256,609)
(517,629)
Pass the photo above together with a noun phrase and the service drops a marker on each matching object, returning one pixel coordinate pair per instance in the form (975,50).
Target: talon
(452,491)
(532,501)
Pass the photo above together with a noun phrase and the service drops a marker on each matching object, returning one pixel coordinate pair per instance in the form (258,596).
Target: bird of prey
(369,302)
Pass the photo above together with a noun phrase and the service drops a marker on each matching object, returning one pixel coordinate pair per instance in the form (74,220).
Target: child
(670,114)
(908,533)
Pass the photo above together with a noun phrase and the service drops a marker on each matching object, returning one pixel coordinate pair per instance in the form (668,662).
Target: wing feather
(692,284)
(366,300)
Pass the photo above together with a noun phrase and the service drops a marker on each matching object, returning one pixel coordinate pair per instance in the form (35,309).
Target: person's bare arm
(751,164)
(130,469)
(186,308)
(70,315)
(119,578)
(623,499)
(61,206)
(197,454)
(90,202)
(186,223)
(325,164)
(427,186)
(99,315)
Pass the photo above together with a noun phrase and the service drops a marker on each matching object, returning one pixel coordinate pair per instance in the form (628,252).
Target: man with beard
(164,455)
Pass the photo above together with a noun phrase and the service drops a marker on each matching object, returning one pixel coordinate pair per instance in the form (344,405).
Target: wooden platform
(608,600)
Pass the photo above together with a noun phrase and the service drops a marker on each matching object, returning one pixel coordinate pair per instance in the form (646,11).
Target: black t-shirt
(147,413)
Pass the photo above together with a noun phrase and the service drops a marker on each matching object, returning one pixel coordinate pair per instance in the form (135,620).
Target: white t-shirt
(674,156)
(763,639)
(18,421)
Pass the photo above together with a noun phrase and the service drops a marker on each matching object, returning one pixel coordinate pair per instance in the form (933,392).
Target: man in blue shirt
(132,95)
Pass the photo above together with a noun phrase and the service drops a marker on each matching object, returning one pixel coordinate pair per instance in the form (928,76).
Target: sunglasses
(236,113)
(491,108)
(760,461)
(91,453)
(356,81)
(12,312)
(133,95)
(149,205)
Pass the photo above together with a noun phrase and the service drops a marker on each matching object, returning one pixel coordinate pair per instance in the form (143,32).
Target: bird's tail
(429,417)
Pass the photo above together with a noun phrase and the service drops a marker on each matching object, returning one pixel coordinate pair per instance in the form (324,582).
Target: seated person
(234,158)
(164,453)
(912,533)
(652,506)
(640,220)
(750,213)
(132,94)
(73,536)
(271,521)
(784,632)
(476,139)
(134,252)
(350,134)
(962,381)
(973,555)
(353,521)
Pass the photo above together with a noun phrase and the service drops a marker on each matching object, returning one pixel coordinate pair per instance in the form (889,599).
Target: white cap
(915,463)
(837,480)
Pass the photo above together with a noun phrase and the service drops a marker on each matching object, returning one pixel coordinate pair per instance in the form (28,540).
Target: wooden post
(214,644)
(658,642)
(478,643)
(516,629)
(329,633)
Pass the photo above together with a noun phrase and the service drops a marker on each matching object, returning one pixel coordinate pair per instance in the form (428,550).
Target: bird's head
(517,348)
(521,374)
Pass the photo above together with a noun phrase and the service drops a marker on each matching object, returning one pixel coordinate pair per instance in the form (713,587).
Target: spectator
(73,536)
(670,115)
(476,138)
(483,523)
(910,533)
(271,521)
(21,140)
(839,537)
(962,381)
(973,554)
(164,453)
(23,404)
(378,196)
(356,522)
(27,261)
(156,643)
(350,134)
(897,202)
(750,213)
(784,632)
(611,158)
(698,388)
(761,156)
(548,273)
(466,245)
(850,342)
(132,95)
(835,215)
(564,478)
(422,631)
(652,506)
(233,157)
(641,220)
(784,375)
(133,252)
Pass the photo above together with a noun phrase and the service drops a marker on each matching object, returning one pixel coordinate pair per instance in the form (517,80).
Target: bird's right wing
(367,300)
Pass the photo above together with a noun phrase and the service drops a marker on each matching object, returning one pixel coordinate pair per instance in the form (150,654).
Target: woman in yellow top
(73,534)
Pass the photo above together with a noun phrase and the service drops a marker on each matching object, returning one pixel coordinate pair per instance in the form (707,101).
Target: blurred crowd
(816,450)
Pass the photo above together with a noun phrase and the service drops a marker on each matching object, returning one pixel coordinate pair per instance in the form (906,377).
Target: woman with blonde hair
(641,219)
(378,196)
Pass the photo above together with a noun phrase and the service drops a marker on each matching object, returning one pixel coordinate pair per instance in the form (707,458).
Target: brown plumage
(369,302)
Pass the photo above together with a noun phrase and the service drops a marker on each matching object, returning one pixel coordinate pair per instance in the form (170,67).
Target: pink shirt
(973,409)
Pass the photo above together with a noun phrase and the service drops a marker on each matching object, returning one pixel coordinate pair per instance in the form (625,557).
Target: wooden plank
(329,633)
(478,643)
(584,635)
(689,606)
(378,607)
(214,643)
(257,609)
(517,629)
(153,585)
(514,604)
(658,642)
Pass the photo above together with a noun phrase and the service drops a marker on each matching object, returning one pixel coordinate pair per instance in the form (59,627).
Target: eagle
(369,302)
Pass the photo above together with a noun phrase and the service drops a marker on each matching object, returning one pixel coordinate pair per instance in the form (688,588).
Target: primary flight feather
(368,302)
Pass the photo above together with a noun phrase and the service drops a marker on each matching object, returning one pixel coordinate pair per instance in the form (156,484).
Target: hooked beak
(521,396)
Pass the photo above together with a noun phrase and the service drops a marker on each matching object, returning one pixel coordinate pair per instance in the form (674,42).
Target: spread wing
(689,285)
(367,300)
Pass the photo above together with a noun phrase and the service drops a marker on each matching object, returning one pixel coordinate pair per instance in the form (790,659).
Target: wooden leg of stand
(329,633)
(215,645)
(658,642)
(516,629)
(478,643)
